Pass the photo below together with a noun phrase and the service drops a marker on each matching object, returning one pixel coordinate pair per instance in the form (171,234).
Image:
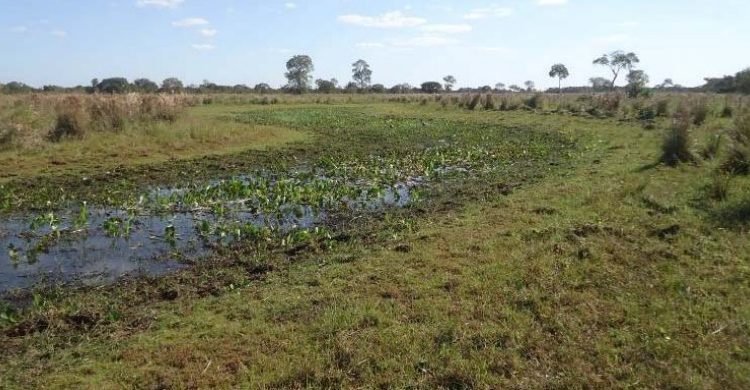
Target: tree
(17,87)
(299,69)
(450,81)
(742,81)
(431,87)
(361,74)
(94,82)
(325,86)
(515,88)
(172,85)
(561,72)
(668,83)
(500,87)
(485,88)
(113,85)
(400,88)
(529,85)
(262,88)
(637,80)
(616,62)
(599,83)
(378,88)
(145,85)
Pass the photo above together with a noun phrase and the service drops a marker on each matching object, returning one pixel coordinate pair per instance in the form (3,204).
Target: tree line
(299,70)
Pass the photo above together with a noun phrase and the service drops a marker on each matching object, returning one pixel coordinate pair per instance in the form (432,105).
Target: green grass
(579,263)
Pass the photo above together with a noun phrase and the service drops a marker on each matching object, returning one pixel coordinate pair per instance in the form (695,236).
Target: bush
(489,102)
(536,101)
(711,150)
(8,133)
(474,102)
(738,161)
(719,187)
(727,111)
(662,108)
(72,120)
(108,113)
(676,145)
(700,113)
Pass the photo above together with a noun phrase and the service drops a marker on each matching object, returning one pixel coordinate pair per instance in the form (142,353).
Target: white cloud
(552,2)
(19,29)
(290,5)
(488,12)
(159,3)
(209,32)
(446,28)
(395,19)
(59,33)
(203,46)
(190,22)
(424,41)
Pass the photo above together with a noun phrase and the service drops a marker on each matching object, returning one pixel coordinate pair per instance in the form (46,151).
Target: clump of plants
(700,112)
(489,102)
(677,143)
(474,102)
(713,146)
(72,119)
(738,160)
(535,101)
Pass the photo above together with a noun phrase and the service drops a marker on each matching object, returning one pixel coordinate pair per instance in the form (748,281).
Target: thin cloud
(203,46)
(190,22)
(552,2)
(19,29)
(446,28)
(424,41)
(59,33)
(488,12)
(395,19)
(370,45)
(159,3)
(290,5)
(209,32)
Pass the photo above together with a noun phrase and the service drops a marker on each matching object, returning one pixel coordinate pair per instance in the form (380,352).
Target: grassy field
(566,257)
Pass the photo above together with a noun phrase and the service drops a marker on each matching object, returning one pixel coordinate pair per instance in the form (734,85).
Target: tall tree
(361,74)
(450,81)
(559,71)
(529,85)
(299,73)
(145,85)
(500,87)
(616,62)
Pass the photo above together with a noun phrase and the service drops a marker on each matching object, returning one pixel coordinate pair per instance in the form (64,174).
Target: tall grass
(738,160)
(677,143)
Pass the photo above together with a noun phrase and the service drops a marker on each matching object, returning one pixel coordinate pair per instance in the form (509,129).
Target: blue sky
(70,42)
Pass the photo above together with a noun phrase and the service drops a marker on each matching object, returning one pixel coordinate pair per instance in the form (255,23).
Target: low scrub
(677,143)
(72,119)
(738,160)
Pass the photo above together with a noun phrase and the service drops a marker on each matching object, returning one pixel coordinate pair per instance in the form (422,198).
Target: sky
(70,42)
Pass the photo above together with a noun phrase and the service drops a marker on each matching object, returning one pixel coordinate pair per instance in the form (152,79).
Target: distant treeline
(739,83)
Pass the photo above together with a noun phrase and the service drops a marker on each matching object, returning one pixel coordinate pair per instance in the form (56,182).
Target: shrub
(711,150)
(738,161)
(662,108)
(726,112)
(535,101)
(489,102)
(108,113)
(699,112)
(8,133)
(719,187)
(72,119)
(676,145)
(474,102)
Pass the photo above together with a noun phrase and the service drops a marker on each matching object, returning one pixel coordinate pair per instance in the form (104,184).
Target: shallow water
(115,242)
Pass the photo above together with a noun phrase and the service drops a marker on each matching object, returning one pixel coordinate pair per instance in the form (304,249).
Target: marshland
(358,236)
